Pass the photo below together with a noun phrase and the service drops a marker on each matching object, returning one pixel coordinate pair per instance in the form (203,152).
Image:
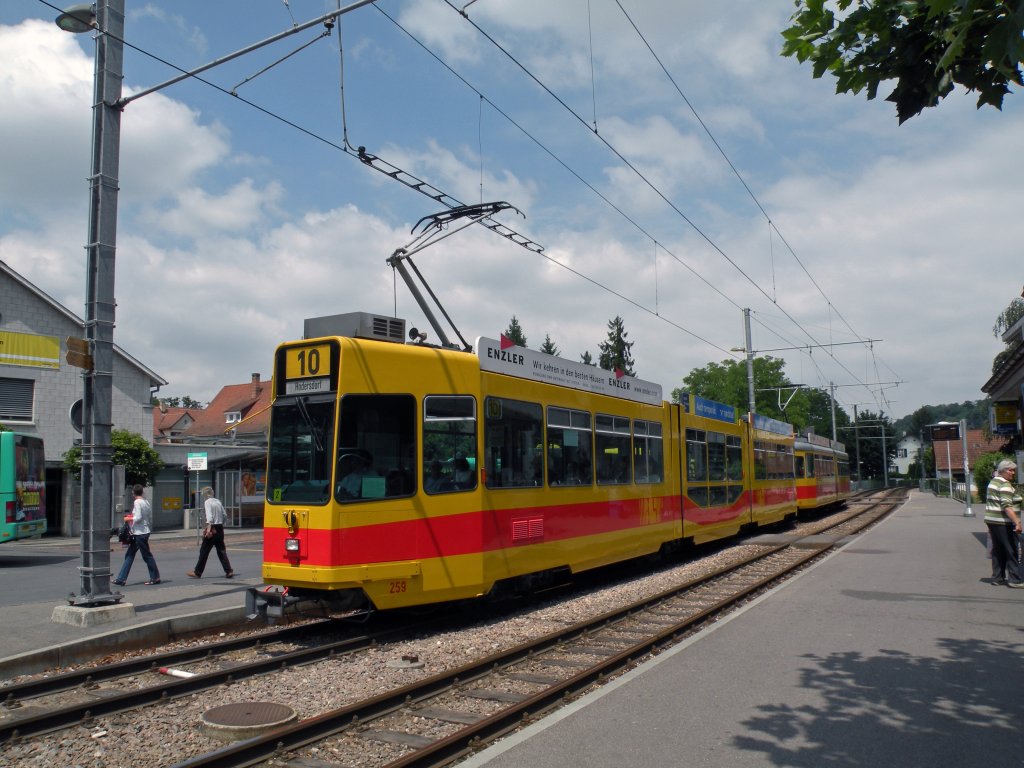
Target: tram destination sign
(512,360)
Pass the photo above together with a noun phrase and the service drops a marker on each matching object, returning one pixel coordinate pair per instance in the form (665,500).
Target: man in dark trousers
(213,536)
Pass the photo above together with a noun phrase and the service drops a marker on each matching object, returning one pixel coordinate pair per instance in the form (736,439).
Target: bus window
(513,443)
(449,443)
(376,447)
(569,447)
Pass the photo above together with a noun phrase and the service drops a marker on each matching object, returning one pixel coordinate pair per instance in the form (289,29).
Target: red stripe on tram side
(469,533)
(804,492)
(706,515)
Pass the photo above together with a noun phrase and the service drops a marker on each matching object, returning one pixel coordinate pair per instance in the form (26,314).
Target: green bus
(22,486)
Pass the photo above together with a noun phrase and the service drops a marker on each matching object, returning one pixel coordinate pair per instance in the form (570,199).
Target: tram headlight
(291,545)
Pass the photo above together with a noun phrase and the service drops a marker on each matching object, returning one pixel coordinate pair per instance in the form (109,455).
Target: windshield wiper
(301,402)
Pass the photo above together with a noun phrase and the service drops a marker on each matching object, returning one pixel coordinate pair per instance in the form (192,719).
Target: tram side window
(716,456)
(696,456)
(761,458)
(300,451)
(799,464)
(449,443)
(612,446)
(514,439)
(784,461)
(734,457)
(376,447)
(569,447)
(648,454)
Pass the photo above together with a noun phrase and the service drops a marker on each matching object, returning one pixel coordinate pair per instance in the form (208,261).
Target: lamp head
(80,17)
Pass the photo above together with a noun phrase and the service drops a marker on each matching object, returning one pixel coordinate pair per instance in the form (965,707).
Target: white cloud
(233,229)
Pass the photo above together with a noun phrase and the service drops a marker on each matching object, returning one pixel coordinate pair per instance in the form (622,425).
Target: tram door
(227,491)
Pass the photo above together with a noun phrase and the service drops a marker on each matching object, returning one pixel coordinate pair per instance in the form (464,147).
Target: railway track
(501,690)
(522,683)
(49,703)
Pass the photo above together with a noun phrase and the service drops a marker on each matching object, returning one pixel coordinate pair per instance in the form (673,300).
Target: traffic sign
(78,353)
(196,462)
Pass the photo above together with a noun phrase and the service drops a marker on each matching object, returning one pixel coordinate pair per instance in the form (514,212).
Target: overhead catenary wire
(655,188)
(348,150)
(732,166)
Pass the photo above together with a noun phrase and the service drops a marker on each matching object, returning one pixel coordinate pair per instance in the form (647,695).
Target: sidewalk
(892,651)
(30,641)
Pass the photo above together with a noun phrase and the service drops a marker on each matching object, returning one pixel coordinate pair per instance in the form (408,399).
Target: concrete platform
(891,652)
(78,616)
(40,630)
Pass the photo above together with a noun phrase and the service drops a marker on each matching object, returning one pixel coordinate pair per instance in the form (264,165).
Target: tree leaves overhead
(925,46)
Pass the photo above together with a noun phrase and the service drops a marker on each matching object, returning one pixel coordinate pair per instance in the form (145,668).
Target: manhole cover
(246,719)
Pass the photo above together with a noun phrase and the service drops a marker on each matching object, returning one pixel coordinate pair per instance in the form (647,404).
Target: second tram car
(401,474)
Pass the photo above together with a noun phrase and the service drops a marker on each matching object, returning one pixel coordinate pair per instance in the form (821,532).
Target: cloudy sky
(673,191)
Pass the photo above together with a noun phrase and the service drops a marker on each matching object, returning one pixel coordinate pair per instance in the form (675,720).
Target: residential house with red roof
(949,454)
(223,445)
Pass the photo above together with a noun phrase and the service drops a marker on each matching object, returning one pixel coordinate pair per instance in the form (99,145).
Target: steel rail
(289,738)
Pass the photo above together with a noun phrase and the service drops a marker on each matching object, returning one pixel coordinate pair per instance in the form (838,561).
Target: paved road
(46,570)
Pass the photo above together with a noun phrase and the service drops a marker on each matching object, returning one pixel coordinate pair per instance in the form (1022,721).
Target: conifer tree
(615,352)
(587,359)
(515,332)
(548,347)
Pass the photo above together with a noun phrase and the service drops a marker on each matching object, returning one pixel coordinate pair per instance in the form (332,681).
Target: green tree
(774,394)
(819,411)
(548,347)
(726,382)
(515,332)
(1006,319)
(140,461)
(867,434)
(925,46)
(984,468)
(587,359)
(615,351)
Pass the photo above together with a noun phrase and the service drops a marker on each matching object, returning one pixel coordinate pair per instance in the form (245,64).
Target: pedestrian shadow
(148,606)
(895,708)
(25,560)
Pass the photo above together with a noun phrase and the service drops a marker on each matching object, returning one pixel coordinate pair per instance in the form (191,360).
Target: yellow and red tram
(401,474)
(822,472)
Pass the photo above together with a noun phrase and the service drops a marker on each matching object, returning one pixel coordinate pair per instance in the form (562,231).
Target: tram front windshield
(301,444)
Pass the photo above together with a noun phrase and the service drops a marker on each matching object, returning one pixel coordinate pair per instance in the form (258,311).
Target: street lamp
(749,350)
(78,18)
(107,18)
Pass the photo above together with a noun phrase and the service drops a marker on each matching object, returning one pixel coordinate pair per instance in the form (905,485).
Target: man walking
(213,536)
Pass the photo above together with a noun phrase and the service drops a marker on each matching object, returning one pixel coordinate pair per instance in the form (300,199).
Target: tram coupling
(269,603)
